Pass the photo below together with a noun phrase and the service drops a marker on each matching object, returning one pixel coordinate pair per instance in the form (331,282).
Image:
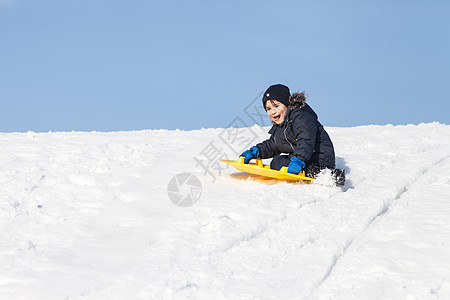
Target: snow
(88,215)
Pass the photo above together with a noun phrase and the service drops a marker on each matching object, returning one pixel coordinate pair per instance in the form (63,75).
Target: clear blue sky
(130,65)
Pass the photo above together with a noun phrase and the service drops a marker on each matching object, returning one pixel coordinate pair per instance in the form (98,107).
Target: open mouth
(276,118)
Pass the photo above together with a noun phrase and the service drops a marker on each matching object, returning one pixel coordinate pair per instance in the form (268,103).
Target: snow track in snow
(406,186)
(394,257)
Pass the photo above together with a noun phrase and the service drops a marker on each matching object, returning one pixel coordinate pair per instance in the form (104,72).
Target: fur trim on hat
(297,100)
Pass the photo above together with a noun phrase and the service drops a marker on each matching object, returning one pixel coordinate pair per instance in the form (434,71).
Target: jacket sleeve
(267,148)
(304,125)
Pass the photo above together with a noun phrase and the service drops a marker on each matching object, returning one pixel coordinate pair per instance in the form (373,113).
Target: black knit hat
(277,92)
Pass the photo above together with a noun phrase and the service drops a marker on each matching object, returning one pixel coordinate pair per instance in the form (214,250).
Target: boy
(296,131)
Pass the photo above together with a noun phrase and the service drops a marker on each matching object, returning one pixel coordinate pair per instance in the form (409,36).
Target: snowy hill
(88,215)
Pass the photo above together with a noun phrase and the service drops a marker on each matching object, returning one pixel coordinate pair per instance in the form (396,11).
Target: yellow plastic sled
(259,168)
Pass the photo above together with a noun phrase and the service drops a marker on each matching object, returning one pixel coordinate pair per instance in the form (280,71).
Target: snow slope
(87,215)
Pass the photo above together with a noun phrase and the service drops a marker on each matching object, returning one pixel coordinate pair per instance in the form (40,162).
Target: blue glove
(295,166)
(249,154)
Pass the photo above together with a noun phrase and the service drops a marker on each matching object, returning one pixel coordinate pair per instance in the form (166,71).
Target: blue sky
(130,65)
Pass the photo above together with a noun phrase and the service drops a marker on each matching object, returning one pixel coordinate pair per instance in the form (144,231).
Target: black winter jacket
(302,135)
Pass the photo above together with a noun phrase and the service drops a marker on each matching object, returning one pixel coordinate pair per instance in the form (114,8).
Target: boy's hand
(295,166)
(249,154)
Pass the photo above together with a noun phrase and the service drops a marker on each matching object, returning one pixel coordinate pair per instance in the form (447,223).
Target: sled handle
(258,161)
(285,170)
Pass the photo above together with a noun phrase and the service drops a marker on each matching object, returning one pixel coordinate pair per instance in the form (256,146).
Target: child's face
(276,111)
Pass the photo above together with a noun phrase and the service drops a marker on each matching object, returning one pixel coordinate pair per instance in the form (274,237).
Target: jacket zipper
(286,136)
